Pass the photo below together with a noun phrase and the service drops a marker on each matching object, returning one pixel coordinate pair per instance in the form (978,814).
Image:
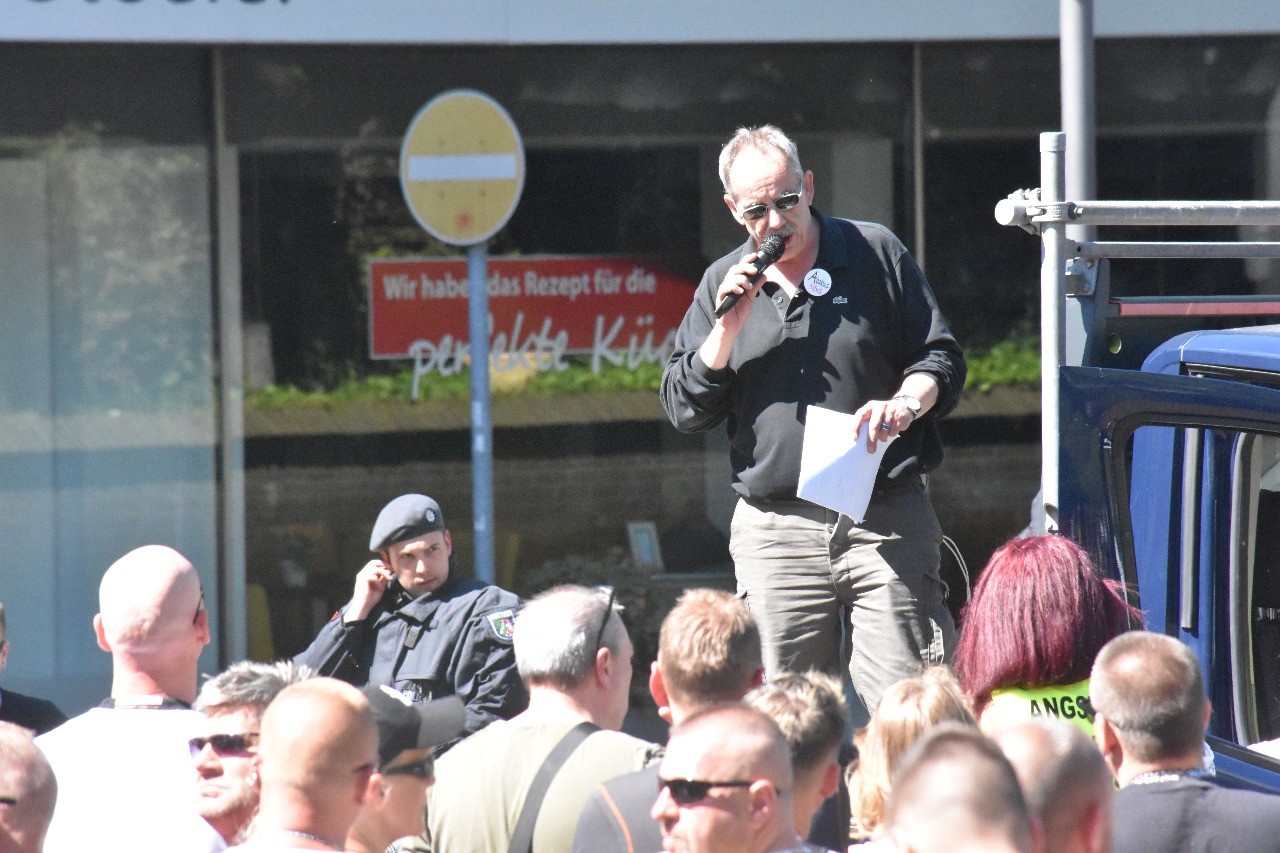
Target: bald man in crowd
(726,785)
(318,750)
(28,791)
(955,792)
(124,768)
(1150,716)
(1065,781)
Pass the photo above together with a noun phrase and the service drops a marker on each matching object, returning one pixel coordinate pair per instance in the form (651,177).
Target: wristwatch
(911,403)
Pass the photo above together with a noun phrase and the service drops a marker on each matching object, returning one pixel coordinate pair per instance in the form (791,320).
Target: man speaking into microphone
(845,320)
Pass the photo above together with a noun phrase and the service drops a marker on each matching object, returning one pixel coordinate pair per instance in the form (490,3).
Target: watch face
(911,403)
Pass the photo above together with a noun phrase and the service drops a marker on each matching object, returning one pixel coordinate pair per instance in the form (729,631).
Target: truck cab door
(1173,483)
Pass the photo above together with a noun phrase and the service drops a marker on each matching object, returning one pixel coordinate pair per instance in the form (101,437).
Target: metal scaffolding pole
(1075,21)
(1052,328)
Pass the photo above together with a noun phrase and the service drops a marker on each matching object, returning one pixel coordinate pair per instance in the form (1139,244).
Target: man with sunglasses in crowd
(843,320)
(415,624)
(226,751)
(574,654)
(708,655)
(408,734)
(28,791)
(726,786)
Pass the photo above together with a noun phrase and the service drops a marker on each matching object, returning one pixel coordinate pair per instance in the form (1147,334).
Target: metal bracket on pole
(1016,209)
(1082,276)
(1054,213)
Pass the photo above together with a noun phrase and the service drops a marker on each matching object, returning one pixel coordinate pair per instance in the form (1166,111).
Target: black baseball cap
(405,724)
(406,517)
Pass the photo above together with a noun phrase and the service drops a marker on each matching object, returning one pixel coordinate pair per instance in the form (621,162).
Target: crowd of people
(270,756)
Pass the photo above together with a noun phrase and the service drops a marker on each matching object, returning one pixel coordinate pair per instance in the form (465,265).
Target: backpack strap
(522,838)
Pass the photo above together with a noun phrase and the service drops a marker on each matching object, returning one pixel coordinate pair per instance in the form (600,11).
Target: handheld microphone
(770,250)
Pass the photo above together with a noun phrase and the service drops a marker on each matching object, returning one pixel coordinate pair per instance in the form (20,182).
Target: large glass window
(106,371)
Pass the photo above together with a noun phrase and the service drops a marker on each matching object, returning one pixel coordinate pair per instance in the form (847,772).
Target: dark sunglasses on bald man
(757,211)
(689,791)
(223,744)
(423,768)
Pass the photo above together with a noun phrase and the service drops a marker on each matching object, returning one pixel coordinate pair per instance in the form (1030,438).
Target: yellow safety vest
(1068,702)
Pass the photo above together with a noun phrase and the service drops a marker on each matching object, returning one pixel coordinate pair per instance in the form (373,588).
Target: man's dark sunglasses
(689,791)
(423,768)
(782,202)
(223,744)
(604,621)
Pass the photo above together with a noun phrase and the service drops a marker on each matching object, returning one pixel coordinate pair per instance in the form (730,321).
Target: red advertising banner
(619,310)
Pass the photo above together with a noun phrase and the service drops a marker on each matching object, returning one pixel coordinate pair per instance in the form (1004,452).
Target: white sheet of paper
(836,471)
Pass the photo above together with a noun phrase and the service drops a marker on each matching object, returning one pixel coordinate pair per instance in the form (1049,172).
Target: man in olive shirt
(575,656)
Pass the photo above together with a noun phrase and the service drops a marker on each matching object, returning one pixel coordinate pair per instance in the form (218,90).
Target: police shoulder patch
(503,624)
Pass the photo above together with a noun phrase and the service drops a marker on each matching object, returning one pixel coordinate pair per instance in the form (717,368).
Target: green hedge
(1014,362)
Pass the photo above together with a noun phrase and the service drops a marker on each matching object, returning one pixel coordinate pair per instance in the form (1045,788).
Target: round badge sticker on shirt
(817,282)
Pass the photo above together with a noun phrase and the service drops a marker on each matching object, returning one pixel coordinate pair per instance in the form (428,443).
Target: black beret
(406,517)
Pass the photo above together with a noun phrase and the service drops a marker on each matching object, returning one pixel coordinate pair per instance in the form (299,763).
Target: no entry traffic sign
(462,167)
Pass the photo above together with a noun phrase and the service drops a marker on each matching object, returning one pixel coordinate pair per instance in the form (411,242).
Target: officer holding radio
(414,624)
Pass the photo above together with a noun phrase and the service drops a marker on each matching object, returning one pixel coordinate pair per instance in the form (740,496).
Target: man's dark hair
(1062,773)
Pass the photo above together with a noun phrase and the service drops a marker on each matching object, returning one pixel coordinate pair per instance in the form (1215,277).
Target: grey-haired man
(225,753)
(843,320)
(415,624)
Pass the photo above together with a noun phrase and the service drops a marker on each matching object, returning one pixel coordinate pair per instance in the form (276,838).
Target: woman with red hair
(1038,617)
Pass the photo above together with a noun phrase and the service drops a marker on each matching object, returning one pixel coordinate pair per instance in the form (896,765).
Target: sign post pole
(462,172)
(481,411)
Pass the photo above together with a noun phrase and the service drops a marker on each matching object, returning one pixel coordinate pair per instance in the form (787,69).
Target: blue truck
(1169,475)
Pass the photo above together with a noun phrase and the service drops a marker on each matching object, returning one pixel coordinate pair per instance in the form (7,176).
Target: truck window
(1254,592)
(1205,522)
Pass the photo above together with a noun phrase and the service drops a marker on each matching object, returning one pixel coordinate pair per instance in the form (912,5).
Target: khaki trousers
(827,592)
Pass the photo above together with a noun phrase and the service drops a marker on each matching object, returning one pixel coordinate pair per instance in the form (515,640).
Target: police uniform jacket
(454,640)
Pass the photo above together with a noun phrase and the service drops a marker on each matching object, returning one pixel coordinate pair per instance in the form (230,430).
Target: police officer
(415,625)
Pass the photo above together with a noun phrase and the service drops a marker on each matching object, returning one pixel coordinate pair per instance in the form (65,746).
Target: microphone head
(770,250)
